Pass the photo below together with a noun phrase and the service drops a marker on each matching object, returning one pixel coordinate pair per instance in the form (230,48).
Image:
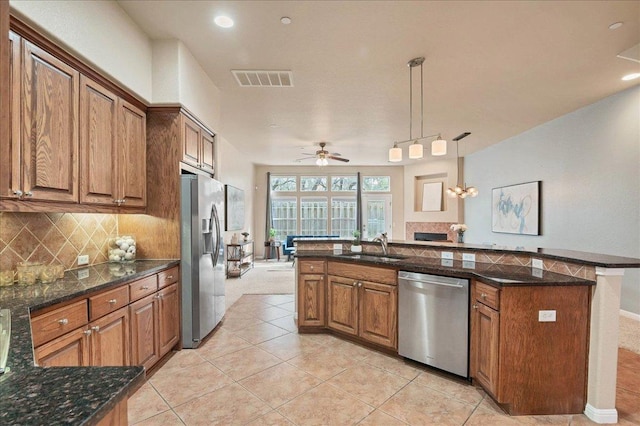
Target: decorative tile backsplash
(54,237)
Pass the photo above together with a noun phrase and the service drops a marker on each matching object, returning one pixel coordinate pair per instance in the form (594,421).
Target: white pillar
(603,346)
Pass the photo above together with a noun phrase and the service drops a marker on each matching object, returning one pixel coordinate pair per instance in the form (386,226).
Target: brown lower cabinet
(360,301)
(527,365)
(139,333)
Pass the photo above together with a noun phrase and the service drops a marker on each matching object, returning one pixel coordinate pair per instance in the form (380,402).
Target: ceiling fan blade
(345,160)
(303,158)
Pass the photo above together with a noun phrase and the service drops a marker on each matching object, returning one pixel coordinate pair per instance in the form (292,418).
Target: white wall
(101,33)
(397,191)
(166,72)
(589,165)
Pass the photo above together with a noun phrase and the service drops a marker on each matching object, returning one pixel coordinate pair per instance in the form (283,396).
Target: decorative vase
(356,249)
(461,237)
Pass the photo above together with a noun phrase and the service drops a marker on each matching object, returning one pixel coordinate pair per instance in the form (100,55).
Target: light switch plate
(337,247)
(467,264)
(447,255)
(447,262)
(83,259)
(537,263)
(470,257)
(547,316)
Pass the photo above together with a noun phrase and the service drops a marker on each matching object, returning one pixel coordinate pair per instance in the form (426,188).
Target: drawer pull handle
(169,277)
(158,296)
(96,328)
(63,321)
(144,288)
(311,267)
(113,301)
(87,332)
(483,295)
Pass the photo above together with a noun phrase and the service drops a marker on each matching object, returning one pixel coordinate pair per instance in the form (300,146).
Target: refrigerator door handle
(216,220)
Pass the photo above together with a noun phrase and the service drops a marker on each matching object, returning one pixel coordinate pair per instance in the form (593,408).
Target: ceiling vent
(263,78)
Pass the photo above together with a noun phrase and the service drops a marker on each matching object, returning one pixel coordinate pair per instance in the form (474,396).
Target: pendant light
(416,149)
(461,191)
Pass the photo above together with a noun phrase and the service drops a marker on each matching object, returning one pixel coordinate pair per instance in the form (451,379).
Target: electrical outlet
(447,262)
(469,257)
(83,273)
(337,247)
(467,264)
(538,273)
(83,259)
(537,263)
(547,316)
(447,255)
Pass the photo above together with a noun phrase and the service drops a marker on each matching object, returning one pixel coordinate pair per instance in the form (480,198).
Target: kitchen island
(30,394)
(511,328)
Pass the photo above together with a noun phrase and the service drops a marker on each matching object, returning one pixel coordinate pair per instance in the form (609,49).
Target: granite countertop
(64,395)
(494,274)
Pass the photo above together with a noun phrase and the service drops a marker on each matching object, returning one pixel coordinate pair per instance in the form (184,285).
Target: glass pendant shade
(416,151)
(395,154)
(439,147)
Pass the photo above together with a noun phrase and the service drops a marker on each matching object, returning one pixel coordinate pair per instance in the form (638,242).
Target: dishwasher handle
(411,281)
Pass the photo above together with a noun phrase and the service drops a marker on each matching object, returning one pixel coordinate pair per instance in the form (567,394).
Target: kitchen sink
(374,257)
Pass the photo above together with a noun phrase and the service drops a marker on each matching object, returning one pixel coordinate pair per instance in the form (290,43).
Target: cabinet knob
(144,288)
(158,296)
(359,284)
(17,192)
(311,267)
(113,301)
(355,283)
(169,277)
(124,200)
(475,306)
(87,332)
(483,295)
(63,321)
(28,194)
(95,328)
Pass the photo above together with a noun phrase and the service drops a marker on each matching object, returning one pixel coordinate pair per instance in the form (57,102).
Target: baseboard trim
(630,315)
(601,415)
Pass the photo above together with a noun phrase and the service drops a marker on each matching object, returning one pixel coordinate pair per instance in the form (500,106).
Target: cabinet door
(98,143)
(68,350)
(10,150)
(342,300)
(143,316)
(132,160)
(485,346)
(190,142)
(311,300)
(378,313)
(110,339)
(207,160)
(168,318)
(50,127)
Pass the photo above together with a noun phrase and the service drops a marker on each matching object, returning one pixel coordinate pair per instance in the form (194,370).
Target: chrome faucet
(383,241)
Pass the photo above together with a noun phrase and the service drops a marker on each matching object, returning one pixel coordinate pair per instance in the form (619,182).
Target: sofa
(289,249)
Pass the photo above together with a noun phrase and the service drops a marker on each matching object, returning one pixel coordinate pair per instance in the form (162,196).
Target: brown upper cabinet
(197,145)
(76,143)
(112,148)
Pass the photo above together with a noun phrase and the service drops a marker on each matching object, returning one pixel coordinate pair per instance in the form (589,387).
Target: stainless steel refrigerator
(202,257)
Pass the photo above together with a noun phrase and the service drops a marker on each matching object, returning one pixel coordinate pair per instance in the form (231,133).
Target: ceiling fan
(322,156)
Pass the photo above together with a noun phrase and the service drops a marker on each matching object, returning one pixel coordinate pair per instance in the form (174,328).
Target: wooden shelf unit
(240,258)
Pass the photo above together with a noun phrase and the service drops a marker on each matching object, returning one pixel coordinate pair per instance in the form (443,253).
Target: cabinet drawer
(311,266)
(365,273)
(488,295)
(47,327)
(169,276)
(107,302)
(139,289)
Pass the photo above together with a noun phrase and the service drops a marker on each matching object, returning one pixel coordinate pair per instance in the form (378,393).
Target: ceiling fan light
(395,154)
(439,147)
(319,162)
(416,151)
(325,162)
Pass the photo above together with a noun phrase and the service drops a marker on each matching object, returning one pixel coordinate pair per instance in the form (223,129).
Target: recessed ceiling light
(223,21)
(285,20)
(631,76)
(615,25)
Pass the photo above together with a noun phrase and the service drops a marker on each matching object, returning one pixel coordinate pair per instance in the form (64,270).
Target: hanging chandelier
(416,150)
(463,191)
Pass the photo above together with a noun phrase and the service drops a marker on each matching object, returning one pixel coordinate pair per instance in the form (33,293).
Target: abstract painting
(515,209)
(234,207)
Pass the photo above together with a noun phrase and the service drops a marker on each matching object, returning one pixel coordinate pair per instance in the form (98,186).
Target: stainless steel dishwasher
(433,321)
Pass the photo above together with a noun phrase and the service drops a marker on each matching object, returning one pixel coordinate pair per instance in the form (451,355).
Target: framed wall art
(234,208)
(515,209)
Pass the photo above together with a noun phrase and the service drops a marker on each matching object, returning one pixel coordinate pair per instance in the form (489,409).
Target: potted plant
(459,229)
(355,245)
(272,234)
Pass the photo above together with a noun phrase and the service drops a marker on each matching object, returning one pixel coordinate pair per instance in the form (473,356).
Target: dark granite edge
(572,256)
(458,270)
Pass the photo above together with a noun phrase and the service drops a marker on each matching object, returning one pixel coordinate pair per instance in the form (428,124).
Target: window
(343,216)
(313,183)
(313,215)
(376,183)
(283,183)
(343,183)
(284,216)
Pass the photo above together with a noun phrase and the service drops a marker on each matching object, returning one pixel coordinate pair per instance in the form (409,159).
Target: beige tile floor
(256,370)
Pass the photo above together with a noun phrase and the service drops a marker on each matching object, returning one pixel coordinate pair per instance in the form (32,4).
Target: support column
(603,346)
